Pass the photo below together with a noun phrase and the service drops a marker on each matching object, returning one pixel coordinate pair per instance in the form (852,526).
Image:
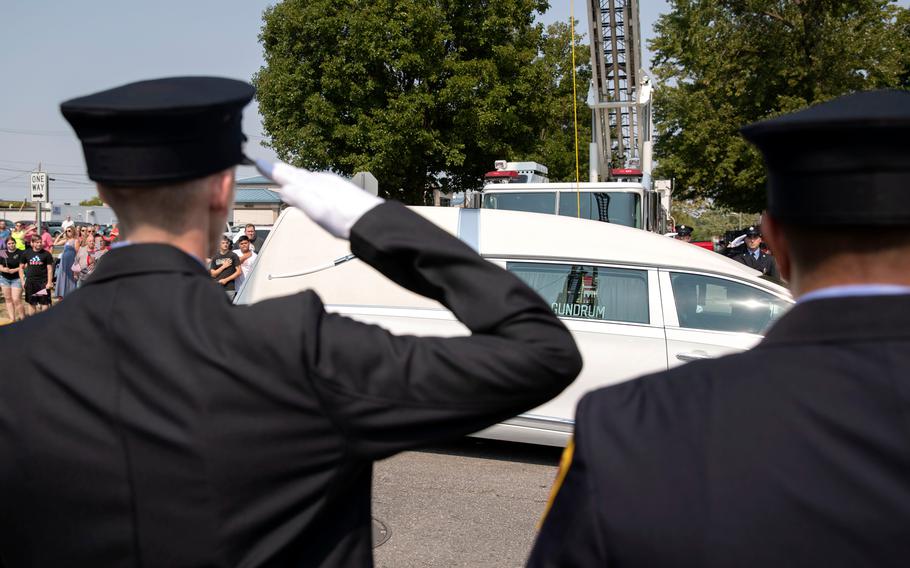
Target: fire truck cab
(523,186)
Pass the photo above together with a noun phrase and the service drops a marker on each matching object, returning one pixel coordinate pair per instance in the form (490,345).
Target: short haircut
(242,238)
(248,225)
(811,247)
(226,239)
(169,207)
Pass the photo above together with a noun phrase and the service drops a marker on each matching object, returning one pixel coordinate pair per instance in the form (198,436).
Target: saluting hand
(333,202)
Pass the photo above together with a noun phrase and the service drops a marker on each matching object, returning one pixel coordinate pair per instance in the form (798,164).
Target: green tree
(707,219)
(92,201)
(726,63)
(554,144)
(903,28)
(419,93)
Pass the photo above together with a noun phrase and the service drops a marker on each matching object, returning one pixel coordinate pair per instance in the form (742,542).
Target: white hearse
(635,301)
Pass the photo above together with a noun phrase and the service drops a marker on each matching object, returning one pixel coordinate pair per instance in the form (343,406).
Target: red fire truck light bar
(625,172)
(501,174)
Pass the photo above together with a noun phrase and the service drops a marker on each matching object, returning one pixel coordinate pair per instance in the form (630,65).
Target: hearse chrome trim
(313,269)
(543,422)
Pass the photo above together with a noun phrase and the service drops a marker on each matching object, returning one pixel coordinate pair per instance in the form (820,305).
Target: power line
(9,178)
(28,132)
(35,132)
(81,166)
(58,178)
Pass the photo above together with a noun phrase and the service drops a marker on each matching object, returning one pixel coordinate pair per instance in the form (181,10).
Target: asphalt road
(472,503)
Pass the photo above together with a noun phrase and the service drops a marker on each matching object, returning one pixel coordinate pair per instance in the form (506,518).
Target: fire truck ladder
(619,128)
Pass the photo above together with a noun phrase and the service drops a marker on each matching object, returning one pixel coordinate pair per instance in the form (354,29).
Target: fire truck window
(703,302)
(537,202)
(620,208)
(588,292)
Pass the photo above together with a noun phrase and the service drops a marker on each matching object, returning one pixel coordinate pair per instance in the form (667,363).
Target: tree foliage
(722,64)
(555,113)
(707,219)
(92,201)
(421,93)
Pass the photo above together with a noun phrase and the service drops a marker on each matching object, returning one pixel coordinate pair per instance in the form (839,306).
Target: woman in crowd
(66,282)
(86,259)
(47,239)
(10,282)
(18,233)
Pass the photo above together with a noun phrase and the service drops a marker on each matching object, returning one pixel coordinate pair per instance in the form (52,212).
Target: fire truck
(620,187)
(523,186)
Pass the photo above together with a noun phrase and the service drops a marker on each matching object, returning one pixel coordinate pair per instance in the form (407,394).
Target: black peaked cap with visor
(843,163)
(161,131)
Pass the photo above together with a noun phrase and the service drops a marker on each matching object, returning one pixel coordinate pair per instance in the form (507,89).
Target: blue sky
(52,51)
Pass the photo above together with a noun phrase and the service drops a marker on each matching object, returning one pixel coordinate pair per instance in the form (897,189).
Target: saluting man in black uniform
(684,233)
(179,440)
(797,452)
(755,257)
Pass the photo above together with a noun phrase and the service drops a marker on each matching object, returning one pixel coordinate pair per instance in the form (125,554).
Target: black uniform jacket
(765,263)
(795,453)
(145,421)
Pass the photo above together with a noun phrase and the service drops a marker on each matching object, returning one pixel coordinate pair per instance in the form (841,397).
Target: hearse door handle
(692,356)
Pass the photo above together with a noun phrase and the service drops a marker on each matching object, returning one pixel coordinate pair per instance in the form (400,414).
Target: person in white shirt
(67,223)
(246,256)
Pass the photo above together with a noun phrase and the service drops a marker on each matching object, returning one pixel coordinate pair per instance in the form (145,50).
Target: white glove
(737,241)
(333,202)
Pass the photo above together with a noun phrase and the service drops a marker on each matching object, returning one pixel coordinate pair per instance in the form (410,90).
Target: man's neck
(855,273)
(193,242)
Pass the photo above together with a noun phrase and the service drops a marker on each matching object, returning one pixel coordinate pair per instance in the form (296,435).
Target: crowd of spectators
(230,267)
(32,278)
(30,275)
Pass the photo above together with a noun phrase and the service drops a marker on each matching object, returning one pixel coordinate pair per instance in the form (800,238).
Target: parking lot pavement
(472,503)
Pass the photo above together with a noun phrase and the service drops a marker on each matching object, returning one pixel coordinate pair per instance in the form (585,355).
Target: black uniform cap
(845,162)
(684,230)
(161,131)
(753,232)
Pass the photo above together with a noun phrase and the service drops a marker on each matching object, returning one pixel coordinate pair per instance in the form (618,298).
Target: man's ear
(777,240)
(102,193)
(221,191)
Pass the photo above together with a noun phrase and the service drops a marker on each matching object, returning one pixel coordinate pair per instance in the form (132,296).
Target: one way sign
(39,187)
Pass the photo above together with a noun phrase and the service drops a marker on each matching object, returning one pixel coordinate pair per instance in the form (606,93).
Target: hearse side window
(536,202)
(588,292)
(619,208)
(703,302)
